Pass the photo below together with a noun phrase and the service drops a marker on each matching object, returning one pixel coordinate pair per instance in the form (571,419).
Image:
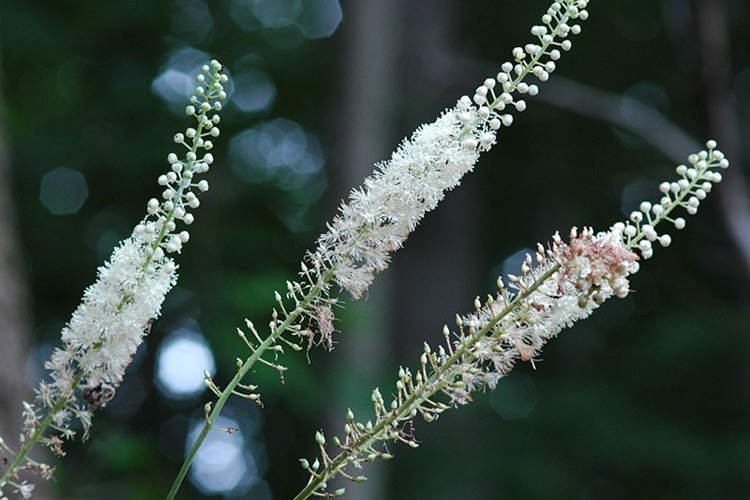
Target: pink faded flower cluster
(557,287)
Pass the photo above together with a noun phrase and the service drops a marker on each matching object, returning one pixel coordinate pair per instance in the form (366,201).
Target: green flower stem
(31,442)
(267,344)
(431,386)
(292,318)
(34,439)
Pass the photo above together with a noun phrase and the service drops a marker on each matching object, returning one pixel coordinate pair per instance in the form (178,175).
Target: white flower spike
(117,310)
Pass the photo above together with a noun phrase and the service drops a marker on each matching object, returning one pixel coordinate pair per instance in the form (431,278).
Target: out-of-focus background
(650,398)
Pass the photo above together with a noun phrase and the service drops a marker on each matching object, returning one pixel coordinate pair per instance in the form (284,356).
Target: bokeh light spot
(312,19)
(321,20)
(176,82)
(279,150)
(254,91)
(233,462)
(63,191)
(181,361)
(512,264)
(192,20)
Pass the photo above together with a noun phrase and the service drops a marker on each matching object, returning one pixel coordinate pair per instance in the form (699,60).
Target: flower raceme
(559,285)
(381,214)
(117,310)
(385,210)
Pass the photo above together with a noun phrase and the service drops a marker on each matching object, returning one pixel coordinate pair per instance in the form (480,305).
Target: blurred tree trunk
(365,127)
(437,272)
(15,329)
(14,316)
(394,73)
(715,69)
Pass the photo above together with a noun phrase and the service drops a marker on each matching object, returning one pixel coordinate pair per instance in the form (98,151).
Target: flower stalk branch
(361,438)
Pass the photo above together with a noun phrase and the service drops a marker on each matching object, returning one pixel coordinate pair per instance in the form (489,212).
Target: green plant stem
(26,449)
(34,439)
(247,365)
(434,384)
(269,342)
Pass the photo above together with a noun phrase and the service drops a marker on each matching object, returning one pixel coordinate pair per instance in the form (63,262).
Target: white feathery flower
(116,311)
(386,209)
(106,330)
(25,490)
(109,325)
(380,215)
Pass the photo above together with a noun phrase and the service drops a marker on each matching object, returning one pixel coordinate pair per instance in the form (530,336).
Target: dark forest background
(648,399)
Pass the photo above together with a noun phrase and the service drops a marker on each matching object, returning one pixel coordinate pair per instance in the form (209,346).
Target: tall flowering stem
(117,310)
(558,286)
(381,214)
(385,210)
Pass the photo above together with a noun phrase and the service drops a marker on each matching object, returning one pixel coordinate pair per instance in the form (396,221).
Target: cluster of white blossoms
(117,310)
(687,192)
(182,187)
(385,210)
(559,285)
(102,336)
